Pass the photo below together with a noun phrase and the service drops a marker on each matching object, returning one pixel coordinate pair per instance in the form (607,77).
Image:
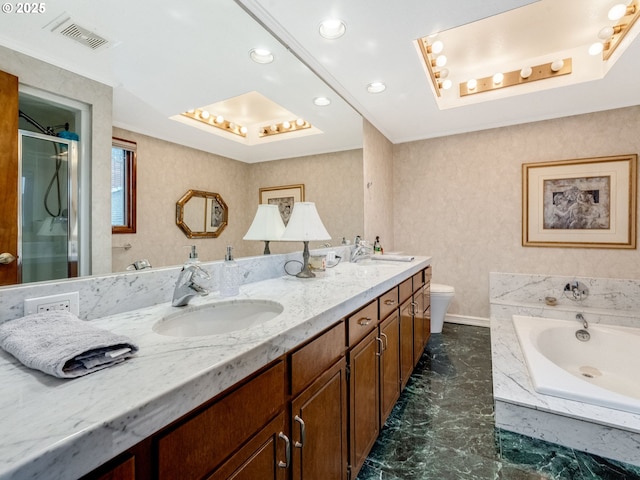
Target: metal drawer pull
(414,305)
(389,302)
(303,432)
(386,340)
(287,446)
(379,352)
(364,321)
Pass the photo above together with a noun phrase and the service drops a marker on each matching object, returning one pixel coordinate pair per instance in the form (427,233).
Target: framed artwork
(586,203)
(284,197)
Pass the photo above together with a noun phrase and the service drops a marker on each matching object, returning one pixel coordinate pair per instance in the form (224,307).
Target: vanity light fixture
(305,225)
(284,127)
(517,77)
(626,17)
(376,87)
(261,55)
(216,121)
(332,28)
(433,60)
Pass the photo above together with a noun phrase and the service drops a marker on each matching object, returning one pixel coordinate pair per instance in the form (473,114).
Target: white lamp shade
(305,224)
(267,225)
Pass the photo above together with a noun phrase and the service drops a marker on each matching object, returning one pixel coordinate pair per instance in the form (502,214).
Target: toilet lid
(439,288)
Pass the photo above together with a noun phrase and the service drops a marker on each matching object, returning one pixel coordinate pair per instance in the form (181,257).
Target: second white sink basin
(217,318)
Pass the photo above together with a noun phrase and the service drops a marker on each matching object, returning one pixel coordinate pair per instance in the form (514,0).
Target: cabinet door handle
(303,432)
(414,305)
(389,302)
(386,340)
(379,352)
(287,447)
(364,321)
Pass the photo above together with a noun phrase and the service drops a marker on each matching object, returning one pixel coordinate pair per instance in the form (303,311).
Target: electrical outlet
(69,302)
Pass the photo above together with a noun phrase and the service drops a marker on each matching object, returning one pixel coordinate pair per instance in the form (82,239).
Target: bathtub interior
(603,371)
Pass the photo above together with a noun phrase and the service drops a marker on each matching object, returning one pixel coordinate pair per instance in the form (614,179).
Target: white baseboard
(467,320)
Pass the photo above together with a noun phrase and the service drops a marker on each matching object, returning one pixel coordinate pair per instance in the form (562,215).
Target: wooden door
(319,428)
(418,325)
(389,365)
(9,177)
(364,401)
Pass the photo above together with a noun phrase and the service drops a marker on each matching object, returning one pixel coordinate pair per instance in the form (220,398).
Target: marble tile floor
(442,427)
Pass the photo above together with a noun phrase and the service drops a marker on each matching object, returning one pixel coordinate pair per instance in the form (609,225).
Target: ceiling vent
(82,35)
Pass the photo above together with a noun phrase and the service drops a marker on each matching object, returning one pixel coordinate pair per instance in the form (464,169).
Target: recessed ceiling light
(376,87)
(332,28)
(261,55)
(321,101)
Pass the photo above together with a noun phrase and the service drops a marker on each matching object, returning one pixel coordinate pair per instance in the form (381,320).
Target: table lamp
(267,226)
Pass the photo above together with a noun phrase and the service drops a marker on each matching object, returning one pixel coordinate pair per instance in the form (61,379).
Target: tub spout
(580,318)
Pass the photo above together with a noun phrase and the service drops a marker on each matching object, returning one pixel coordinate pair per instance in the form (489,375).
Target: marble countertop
(59,429)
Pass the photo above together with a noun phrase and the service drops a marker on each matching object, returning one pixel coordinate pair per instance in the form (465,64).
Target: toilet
(441,296)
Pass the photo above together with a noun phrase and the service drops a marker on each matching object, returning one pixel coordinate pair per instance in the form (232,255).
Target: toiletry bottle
(193,256)
(230,278)
(377,247)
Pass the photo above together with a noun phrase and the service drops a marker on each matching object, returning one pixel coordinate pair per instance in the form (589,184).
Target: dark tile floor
(443,428)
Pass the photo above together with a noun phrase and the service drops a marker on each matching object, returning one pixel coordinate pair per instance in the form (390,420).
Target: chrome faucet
(186,287)
(580,318)
(361,251)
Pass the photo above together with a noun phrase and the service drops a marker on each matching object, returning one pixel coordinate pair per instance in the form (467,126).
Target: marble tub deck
(443,426)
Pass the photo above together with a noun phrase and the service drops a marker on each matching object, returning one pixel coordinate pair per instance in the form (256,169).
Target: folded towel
(393,258)
(62,345)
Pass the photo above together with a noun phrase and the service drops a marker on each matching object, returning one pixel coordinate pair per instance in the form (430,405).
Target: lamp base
(306,269)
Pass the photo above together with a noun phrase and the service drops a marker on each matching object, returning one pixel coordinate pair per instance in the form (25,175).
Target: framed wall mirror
(201,214)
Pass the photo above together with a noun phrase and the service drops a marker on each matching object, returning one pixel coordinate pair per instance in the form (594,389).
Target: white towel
(393,258)
(62,345)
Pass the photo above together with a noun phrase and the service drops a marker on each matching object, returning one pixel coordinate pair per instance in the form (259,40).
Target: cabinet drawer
(388,303)
(200,444)
(317,356)
(406,290)
(362,322)
(427,274)
(418,280)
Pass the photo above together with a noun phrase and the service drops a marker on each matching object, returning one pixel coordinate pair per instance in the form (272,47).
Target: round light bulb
(498,78)
(472,84)
(243,130)
(596,48)
(617,12)
(204,114)
(437,47)
(219,119)
(286,125)
(273,128)
(441,61)
(444,73)
(557,65)
(300,122)
(332,28)
(191,110)
(526,72)
(606,33)
(447,84)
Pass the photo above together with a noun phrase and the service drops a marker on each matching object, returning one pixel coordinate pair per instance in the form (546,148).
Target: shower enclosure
(47,207)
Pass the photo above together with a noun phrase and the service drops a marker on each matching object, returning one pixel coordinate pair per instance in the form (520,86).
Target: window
(123,186)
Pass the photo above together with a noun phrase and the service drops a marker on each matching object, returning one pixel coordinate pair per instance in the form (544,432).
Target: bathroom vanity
(301,396)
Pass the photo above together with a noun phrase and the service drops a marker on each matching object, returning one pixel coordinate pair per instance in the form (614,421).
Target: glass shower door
(47,214)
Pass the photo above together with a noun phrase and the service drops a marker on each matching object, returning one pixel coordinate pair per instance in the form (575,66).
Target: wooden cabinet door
(406,342)
(319,428)
(9,177)
(364,403)
(389,365)
(264,457)
(418,326)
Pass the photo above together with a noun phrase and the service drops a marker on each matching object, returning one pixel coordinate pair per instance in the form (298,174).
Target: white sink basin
(217,318)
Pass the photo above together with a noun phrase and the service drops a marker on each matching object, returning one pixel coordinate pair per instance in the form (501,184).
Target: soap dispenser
(230,278)
(193,256)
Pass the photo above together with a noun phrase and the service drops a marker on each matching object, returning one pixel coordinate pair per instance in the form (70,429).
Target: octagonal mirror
(201,214)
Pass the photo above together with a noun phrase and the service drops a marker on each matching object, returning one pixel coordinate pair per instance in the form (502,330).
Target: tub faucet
(186,287)
(580,318)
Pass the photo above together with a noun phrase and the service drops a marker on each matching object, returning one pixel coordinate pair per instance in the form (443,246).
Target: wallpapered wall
(461,197)
(165,171)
